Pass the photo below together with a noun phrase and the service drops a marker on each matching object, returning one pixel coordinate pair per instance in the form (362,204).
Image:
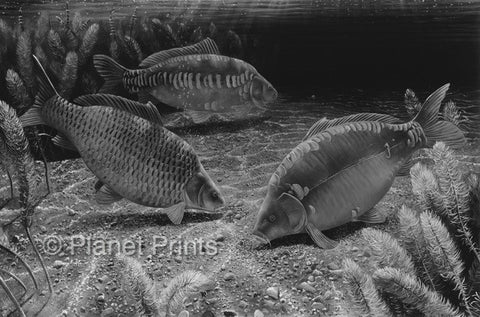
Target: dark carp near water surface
(194,78)
(125,145)
(340,172)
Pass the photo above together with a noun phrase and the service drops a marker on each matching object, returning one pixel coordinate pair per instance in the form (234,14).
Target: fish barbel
(193,78)
(125,145)
(337,175)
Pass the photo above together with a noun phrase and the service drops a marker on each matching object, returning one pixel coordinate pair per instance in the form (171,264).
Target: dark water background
(316,44)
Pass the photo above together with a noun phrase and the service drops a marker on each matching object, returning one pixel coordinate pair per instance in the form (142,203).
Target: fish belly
(212,99)
(352,191)
(141,161)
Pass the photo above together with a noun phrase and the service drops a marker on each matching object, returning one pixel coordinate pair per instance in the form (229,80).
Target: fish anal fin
(207,46)
(106,196)
(175,213)
(405,168)
(62,141)
(147,111)
(199,116)
(372,216)
(319,238)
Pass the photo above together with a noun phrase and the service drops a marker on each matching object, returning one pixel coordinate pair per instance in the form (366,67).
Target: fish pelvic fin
(111,72)
(46,90)
(435,130)
(175,213)
(319,238)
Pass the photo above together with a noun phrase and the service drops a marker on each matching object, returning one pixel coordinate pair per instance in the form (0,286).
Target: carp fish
(340,172)
(125,145)
(194,78)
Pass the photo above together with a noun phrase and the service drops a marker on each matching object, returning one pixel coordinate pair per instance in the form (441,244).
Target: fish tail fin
(436,130)
(111,72)
(46,90)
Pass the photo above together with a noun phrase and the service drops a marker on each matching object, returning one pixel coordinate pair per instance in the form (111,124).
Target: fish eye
(272,218)
(214,195)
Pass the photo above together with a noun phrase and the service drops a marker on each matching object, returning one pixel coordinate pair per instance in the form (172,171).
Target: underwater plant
(18,162)
(150,298)
(431,268)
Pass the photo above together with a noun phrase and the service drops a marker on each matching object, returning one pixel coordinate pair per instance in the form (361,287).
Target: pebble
(327,295)
(273,292)
(109,312)
(101,298)
(258,313)
(178,259)
(42,229)
(311,278)
(306,287)
(238,203)
(230,313)
(229,276)
(318,306)
(333,266)
(58,264)
(184,313)
(243,304)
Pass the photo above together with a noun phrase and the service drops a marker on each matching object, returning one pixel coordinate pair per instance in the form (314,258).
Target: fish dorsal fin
(147,111)
(62,141)
(297,216)
(175,212)
(207,46)
(106,195)
(325,123)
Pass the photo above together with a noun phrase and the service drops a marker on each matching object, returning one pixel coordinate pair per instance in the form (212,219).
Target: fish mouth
(261,238)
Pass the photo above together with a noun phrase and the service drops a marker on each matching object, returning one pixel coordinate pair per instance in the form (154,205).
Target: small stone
(101,298)
(229,276)
(366,254)
(42,229)
(327,295)
(332,266)
(219,238)
(229,313)
(103,279)
(238,203)
(178,259)
(273,292)
(58,264)
(318,306)
(258,313)
(316,272)
(311,278)
(243,304)
(109,312)
(306,287)
(184,313)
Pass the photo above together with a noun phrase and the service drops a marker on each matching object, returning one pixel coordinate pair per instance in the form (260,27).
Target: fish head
(203,193)
(280,217)
(261,91)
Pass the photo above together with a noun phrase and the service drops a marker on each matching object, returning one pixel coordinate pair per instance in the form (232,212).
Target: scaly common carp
(194,78)
(342,171)
(125,145)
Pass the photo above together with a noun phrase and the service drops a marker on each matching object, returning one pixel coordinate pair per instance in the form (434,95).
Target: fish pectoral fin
(319,238)
(372,216)
(98,185)
(62,141)
(405,169)
(207,46)
(106,196)
(175,213)
(147,111)
(199,116)
(32,117)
